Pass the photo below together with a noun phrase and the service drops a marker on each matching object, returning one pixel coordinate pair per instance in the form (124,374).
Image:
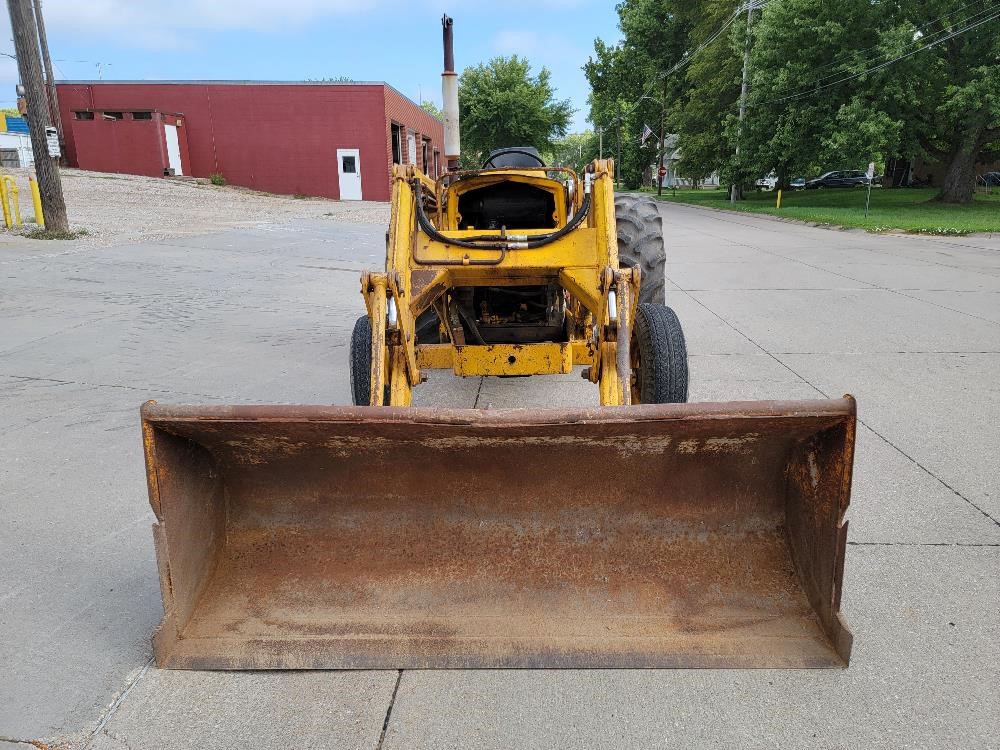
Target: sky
(396,41)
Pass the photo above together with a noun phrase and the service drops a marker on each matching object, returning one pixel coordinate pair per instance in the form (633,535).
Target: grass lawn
(906,209)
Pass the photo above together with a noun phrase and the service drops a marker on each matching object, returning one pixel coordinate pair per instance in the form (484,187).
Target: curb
(829,227)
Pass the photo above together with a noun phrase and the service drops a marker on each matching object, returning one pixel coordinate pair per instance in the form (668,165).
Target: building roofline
(221,82)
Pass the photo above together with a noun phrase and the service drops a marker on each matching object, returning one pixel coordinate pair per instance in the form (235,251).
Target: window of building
(142,115)
(113,115)
(425,148)
(437,164)
(349,166)
(397,144)
(83,115)
(9,158)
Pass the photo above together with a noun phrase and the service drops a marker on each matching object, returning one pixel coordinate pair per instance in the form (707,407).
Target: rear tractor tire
(640,243)
(660,356)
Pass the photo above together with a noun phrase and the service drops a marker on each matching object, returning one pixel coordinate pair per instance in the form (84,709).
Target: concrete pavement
(909,325)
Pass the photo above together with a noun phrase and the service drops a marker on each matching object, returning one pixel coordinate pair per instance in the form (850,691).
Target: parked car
(798,183)
(990,179)
(767,183)
(846,178)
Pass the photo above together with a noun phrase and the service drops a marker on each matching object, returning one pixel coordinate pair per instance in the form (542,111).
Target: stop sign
(662,171)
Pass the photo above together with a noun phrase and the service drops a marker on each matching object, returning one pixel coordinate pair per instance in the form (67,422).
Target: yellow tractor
(645,532)
(519,269)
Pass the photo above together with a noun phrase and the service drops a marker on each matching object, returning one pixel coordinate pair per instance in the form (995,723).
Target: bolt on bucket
(680,535)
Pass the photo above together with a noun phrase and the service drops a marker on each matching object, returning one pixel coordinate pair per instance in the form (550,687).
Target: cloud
(179,24)
(155,24)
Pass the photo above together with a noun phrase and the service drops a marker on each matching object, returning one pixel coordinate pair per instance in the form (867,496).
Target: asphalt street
(909,325)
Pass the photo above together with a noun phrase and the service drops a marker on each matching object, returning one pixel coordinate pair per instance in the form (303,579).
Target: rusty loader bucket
(681,535)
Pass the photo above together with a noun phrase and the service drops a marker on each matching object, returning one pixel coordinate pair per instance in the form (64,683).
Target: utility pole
(22,24)
(663,139)
(49,78)
(734,192)
(618,160)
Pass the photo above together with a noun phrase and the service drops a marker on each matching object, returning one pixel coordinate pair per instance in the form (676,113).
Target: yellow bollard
(4,200)
(14,199)
(36,201)
(778,205)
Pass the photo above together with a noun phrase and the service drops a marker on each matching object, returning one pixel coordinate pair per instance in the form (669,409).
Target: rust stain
(297,537)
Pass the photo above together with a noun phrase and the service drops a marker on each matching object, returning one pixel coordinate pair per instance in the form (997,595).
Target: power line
(954,11)
(815,89)
(927,40)
(688,58)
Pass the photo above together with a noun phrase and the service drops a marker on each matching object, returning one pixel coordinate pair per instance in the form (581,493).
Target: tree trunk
(960,177)
(783,178)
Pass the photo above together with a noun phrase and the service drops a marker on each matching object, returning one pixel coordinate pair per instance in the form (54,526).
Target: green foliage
(626,93)
(217,178)
(502,104)
(616,80)
(704,117)
(815,103)
(904,209)
(838,129)
(939,103)
(432,109)
(575,151)
(947,98)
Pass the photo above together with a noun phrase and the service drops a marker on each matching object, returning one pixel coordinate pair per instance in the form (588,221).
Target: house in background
(330,139)
(671,161)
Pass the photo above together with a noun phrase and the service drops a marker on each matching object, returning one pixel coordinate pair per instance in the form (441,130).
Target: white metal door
(349,167)
(411,146)
(173,148)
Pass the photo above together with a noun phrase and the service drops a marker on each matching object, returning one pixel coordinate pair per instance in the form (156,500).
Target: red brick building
(337,140)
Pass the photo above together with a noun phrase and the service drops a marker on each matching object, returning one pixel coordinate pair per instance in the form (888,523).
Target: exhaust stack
(449,96)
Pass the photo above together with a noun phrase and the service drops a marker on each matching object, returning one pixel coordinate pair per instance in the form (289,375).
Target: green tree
(617,81)
(502,104)
(834,85)
(947,97)
(628,90)
(821,100)
(790,133)
(575,150)
(709,101)
(432,109)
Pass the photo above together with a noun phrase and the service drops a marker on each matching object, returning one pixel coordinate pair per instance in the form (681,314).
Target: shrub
(217,178)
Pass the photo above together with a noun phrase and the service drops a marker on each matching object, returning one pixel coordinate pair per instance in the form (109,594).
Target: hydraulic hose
(498,243)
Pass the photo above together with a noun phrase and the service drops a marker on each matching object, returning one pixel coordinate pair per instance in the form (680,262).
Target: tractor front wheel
(659,356)
(361,363)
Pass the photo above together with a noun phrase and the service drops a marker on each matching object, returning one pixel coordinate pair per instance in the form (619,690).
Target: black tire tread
(361,361)
(663,366)
(640,243)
